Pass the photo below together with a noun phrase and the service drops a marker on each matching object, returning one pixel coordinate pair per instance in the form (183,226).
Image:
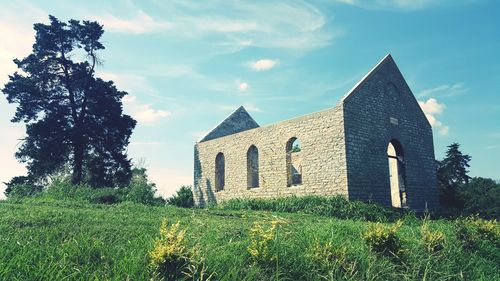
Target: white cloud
(147,115)
(140,23)
(263,64)
(17,34)
(444,90)
(432,107)
(143,113)
(243,86)
(128,99)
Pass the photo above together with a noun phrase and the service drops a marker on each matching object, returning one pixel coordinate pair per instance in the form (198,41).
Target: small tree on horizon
(72,117)
(452,173)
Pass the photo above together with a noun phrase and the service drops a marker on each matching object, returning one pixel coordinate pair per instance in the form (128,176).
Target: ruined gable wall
(368,130)
(323,159)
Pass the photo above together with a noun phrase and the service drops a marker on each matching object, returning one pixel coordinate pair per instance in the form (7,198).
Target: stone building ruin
(374,145)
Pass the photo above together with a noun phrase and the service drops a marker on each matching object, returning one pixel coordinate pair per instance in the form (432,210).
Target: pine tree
(73,118)
(452,173)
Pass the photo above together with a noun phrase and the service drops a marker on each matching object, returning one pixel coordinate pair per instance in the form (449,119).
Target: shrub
(433,240)
(330,258)
(480,197)
(23,190)
(142,192)
(383,239)
(472,230)
(183,198)
(262,236)
(170,256)
(63,189)
(336,206)
(104,195)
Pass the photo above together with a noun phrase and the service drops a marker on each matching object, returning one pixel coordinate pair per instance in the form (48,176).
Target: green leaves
(71,116)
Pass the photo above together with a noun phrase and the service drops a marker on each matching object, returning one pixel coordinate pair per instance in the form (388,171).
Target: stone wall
(343,149)
(383,108)
(322,158)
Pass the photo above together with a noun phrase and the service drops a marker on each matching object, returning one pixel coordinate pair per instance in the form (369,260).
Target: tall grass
(47,239)
(337,207)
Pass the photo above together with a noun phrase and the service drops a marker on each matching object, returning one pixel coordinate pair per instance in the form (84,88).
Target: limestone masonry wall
(323,159)
(344,150)
(382,109)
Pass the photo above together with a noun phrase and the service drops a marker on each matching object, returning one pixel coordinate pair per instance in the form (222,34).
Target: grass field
(44,239)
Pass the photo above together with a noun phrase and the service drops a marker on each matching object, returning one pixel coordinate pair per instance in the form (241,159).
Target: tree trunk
(78,162)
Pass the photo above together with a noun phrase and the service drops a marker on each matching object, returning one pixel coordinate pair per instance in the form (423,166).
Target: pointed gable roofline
(388,58)
(358,85)
(238,121)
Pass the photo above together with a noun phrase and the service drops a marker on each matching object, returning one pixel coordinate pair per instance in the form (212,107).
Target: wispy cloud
(236,25)
(431,108)
(250,107)
(494,135)
(401,4)
(135,85)
(444,90)
(198,134)
(146,114)
(147,143)
(139,24)
(16,33)
(263,64)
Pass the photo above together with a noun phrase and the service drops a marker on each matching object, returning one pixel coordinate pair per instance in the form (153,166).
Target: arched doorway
(397,174)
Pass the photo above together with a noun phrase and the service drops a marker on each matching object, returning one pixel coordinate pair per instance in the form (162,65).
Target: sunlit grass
(65,240)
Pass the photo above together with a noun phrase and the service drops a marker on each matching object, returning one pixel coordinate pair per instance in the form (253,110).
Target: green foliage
(23,190)
(452,173)
(172,259)
(63,189)
(72,117)
(170,255)
(337,207)
(47,239)
(383,239)
(183,198)
(433,240)
(330,258)
(480,196)
(141,190)
(22,186)
(264,240)
(472,231)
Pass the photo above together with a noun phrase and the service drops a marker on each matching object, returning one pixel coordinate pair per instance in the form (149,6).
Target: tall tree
(73,118)
(452,173)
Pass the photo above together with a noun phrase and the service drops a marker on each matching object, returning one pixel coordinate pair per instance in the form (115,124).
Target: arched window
(253,167)
(220,172)
(293,162)
(397,174)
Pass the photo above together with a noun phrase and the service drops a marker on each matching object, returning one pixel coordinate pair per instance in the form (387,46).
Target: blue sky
(187,65)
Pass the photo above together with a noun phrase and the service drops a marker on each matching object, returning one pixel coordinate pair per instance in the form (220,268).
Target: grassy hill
(43,239)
